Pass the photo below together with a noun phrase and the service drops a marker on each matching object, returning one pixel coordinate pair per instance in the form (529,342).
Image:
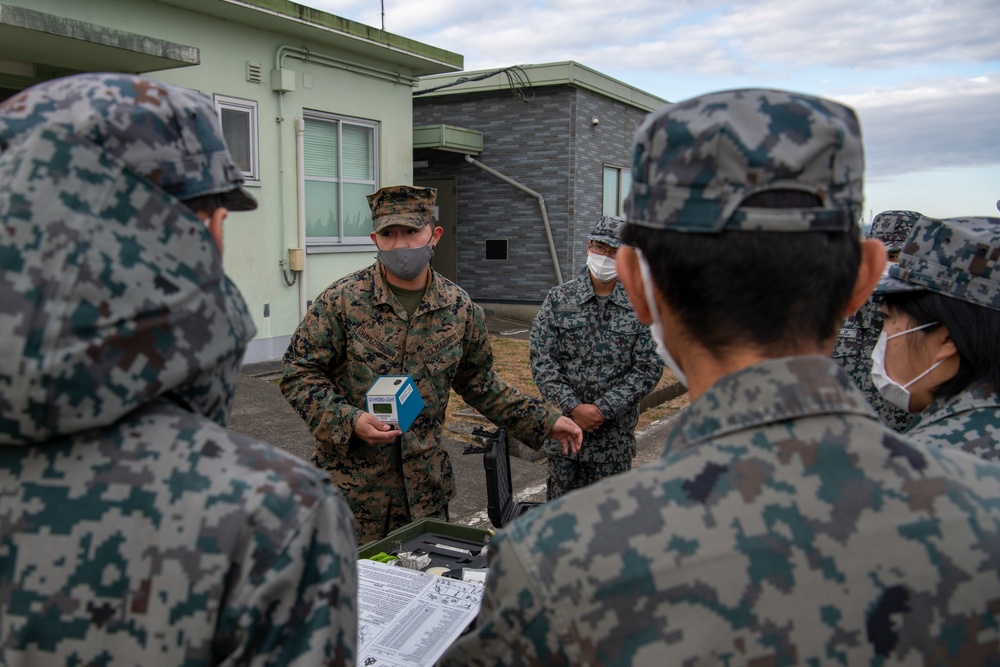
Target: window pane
(358,162)
(320,150)
(626,188)
(357,214)
(321,209)
(236,130)
(611,196)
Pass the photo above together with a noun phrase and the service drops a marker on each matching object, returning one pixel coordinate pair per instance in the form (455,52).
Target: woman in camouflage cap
(939,352)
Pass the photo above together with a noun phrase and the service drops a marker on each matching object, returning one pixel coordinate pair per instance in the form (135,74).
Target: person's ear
(631,277)
(436,235)
(873,258)
(946,348)
(214,224)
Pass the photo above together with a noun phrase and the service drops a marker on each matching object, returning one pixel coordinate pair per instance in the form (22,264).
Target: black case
(433,537)
(499,492)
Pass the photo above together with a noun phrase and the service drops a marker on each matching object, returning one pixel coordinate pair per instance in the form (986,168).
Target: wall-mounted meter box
(394,399)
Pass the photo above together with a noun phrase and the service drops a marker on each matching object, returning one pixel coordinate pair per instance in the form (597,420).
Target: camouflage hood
(113,294)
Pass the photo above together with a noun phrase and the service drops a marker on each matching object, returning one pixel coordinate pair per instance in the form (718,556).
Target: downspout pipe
(541,207)
(300,200)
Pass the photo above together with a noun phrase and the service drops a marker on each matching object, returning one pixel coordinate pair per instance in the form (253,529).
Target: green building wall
(228,36)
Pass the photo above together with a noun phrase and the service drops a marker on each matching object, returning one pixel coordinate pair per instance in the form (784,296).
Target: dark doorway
(445,259)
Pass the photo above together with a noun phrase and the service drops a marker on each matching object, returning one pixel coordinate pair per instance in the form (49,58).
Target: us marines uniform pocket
(442,352)
(375,353)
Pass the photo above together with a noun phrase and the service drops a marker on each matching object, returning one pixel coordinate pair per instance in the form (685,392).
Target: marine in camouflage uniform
(860,331)
(589,349)
(783,524)
(958,258)
(134,528)
(356,331)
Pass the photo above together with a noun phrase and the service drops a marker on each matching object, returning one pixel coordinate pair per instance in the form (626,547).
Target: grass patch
(512,364)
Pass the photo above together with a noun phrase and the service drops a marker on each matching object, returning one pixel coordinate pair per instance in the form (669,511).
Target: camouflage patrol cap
(607,230)
(892,228)
(956,257)
(695,162)
(170,135)
(402,205)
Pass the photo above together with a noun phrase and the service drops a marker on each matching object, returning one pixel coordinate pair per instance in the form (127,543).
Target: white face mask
(604,269)
(892,391)
(656,328)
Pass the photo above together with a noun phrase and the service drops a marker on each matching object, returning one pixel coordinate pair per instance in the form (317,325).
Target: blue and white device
(394,399)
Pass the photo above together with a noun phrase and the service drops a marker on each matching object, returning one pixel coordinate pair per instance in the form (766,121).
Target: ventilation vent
(496,248)
(253,72)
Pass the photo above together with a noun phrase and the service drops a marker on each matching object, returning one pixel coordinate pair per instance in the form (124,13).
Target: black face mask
(406,263)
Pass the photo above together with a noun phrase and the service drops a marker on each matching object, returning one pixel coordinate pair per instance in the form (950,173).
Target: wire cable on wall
(517,81)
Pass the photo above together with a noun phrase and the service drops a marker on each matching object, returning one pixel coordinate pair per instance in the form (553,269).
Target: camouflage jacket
(579,355)
(783,525)
(356,331)
(134,529)
(858,335)
(969,421)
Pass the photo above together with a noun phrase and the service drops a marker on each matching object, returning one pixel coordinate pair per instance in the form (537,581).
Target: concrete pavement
(261,412)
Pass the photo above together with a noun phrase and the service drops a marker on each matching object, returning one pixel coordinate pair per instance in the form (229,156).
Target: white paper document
(407,618)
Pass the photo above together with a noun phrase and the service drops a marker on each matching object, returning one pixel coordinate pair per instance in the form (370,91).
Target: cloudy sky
(924,75)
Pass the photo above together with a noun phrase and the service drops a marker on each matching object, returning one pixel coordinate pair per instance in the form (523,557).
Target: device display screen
(382,408)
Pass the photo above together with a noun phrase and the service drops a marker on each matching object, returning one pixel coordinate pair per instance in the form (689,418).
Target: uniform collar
(976,397)
(584,291)
(434,295)
(771,391)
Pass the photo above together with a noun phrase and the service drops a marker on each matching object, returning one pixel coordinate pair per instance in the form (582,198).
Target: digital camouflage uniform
(958,258)
(969,421)
(583,353)
(783,524)
(860,331)
(134,529)
(357,331)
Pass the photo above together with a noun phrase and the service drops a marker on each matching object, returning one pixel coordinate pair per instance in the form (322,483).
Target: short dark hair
(974,329)
(773,290)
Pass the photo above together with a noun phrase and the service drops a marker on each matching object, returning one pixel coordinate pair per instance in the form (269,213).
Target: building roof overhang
(566,73)
(448,138)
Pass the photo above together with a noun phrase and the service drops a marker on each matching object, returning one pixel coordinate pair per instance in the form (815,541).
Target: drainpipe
(541,207)
(300,197)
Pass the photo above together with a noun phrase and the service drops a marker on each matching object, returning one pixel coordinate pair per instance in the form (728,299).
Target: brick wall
(547,144)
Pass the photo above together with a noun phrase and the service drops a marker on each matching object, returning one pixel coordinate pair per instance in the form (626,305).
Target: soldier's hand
(373,431)
(568,434)
(587,416)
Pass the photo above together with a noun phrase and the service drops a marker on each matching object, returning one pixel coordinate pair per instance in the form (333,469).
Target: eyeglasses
(601,249)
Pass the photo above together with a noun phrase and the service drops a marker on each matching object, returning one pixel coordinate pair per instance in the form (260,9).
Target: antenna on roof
(383,15)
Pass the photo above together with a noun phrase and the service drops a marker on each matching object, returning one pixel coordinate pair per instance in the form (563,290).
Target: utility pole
(383,15)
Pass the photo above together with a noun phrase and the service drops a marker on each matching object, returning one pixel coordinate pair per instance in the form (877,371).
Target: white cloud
(924,75)
(709,37)
(930,124)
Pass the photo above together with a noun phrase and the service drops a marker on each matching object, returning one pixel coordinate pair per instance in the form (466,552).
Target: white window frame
(622,193)
(251,177)
(332,243)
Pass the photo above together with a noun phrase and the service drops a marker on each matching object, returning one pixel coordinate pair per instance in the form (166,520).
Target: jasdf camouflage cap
(402,205)
(170,135)
(892,228)
(956,257)
(607,230)
(695,162)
